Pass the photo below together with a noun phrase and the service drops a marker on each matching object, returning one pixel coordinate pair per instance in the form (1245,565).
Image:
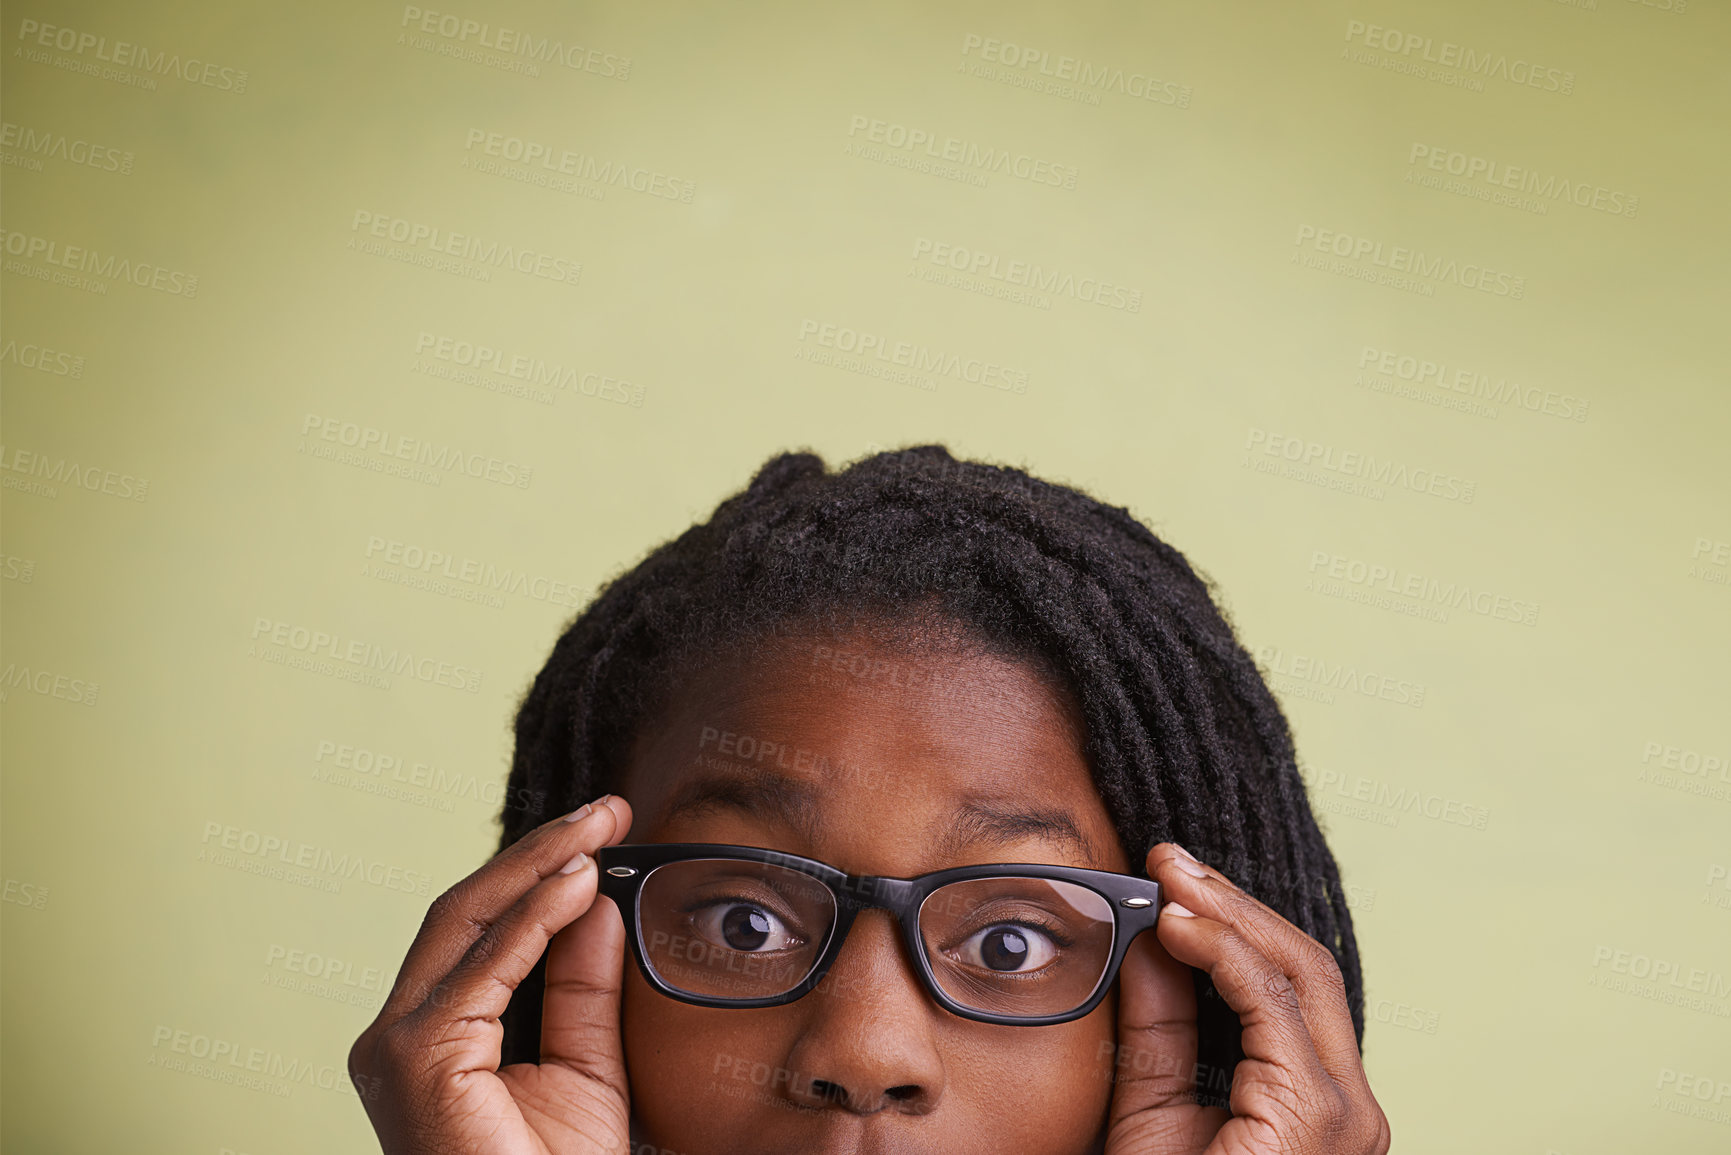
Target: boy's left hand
(1301,1086)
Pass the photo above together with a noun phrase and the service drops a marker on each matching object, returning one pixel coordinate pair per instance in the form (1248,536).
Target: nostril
(903,1093)
(829,1092)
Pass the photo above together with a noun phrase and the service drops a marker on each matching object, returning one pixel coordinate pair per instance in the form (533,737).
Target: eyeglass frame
(1135,904)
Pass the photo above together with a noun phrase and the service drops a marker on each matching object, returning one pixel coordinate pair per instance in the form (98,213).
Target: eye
(744,926)
(1008,947)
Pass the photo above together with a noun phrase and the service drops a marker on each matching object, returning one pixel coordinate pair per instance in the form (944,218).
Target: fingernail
(587,808)
(1177,911)
(1185,853)
(575,864)
(1190,866)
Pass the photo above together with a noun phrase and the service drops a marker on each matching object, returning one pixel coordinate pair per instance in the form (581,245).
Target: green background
(1520,854)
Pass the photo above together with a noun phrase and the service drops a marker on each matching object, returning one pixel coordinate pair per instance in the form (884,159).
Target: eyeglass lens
(734,929)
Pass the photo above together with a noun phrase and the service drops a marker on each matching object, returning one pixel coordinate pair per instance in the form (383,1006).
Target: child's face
(910,761)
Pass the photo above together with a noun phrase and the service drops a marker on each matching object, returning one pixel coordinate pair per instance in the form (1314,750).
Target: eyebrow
(795,805)
(977,823)
(774,797)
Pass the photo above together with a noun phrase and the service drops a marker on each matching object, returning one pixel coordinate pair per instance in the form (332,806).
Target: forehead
(892,753)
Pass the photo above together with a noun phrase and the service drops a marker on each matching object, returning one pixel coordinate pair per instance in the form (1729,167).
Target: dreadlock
(1184,739)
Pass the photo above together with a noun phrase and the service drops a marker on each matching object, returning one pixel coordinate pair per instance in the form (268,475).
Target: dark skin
(942,756)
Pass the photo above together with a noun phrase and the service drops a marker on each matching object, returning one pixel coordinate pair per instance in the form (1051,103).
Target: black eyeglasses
(1021,944)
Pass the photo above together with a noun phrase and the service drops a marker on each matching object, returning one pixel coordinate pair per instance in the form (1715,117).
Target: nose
(867,1044)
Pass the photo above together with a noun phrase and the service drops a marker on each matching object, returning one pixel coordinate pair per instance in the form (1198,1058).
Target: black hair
(1184,739)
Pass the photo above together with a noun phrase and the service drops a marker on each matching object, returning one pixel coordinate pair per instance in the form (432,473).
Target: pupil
(745,928)
(1004,949)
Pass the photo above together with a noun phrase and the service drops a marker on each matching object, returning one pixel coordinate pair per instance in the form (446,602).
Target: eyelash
(708,901)
(1058,937)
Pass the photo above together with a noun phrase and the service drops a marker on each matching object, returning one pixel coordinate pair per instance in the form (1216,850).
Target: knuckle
(1324,1120)
(1368,1125)
(440,997)
(1384,1136)
(1277,989)
(391,1051)
(590,988)
(1325,972)
(361,1058)
(1334,1114)
(1241,906)
(407,995)
(1317,957)
(1269,1091)
(441,907)
(487,944)
(520,954)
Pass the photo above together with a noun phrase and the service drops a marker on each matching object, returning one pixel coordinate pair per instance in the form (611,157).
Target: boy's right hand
(427,1069)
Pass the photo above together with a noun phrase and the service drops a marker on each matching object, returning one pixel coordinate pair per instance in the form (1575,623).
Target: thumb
(1153,1100)
(580,1010)
(1156,1029)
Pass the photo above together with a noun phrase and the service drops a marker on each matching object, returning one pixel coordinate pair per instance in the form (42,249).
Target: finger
(1156,1051)
(580,1010)
(463,913)
(1282,1077)
(1155,1058)
(1306,963)
(459,1017)
(459,917)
